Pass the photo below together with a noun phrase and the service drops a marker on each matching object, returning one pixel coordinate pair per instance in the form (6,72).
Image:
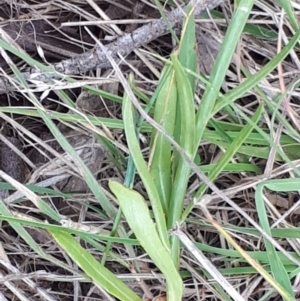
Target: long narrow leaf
(287,6)
(97,272)
(161,151)
(187,142)
(231,151)
(138,217)
(254,80)
(187,49)
(222,63)
(278,270)
(22,232)
(142,169)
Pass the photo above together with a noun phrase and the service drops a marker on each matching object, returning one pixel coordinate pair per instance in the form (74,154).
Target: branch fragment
(96,58)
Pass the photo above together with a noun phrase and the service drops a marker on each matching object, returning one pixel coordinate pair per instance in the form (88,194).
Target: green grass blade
(287,6)
(142,169)
(22,232)
(230,152)
(293,273)
(161,151)
(138,217)
(278,270)
(187,142)
(187,50)
(254,79)
(223,60)
(164,17)
(257,31)
(66,117)
(88,176)
(81,233)
(233,168)
(230,255)
(97,272)
(28,59)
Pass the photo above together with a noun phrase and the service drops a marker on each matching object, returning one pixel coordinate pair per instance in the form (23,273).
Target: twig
(123,46)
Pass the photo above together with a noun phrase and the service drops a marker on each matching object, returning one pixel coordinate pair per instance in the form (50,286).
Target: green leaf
(260,32)
(83,234)
(254,79)
(97,272)
(161,151)
(230,151)
(22,232)
(253,29)
(142,169)
(187,47)
(187,142)
(287,6)
(278,270)
(138,217)
(222,63)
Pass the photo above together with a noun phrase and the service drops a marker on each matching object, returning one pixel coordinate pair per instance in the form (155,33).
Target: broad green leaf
(187,58)
(138,217)
(96,271)
(283,185)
